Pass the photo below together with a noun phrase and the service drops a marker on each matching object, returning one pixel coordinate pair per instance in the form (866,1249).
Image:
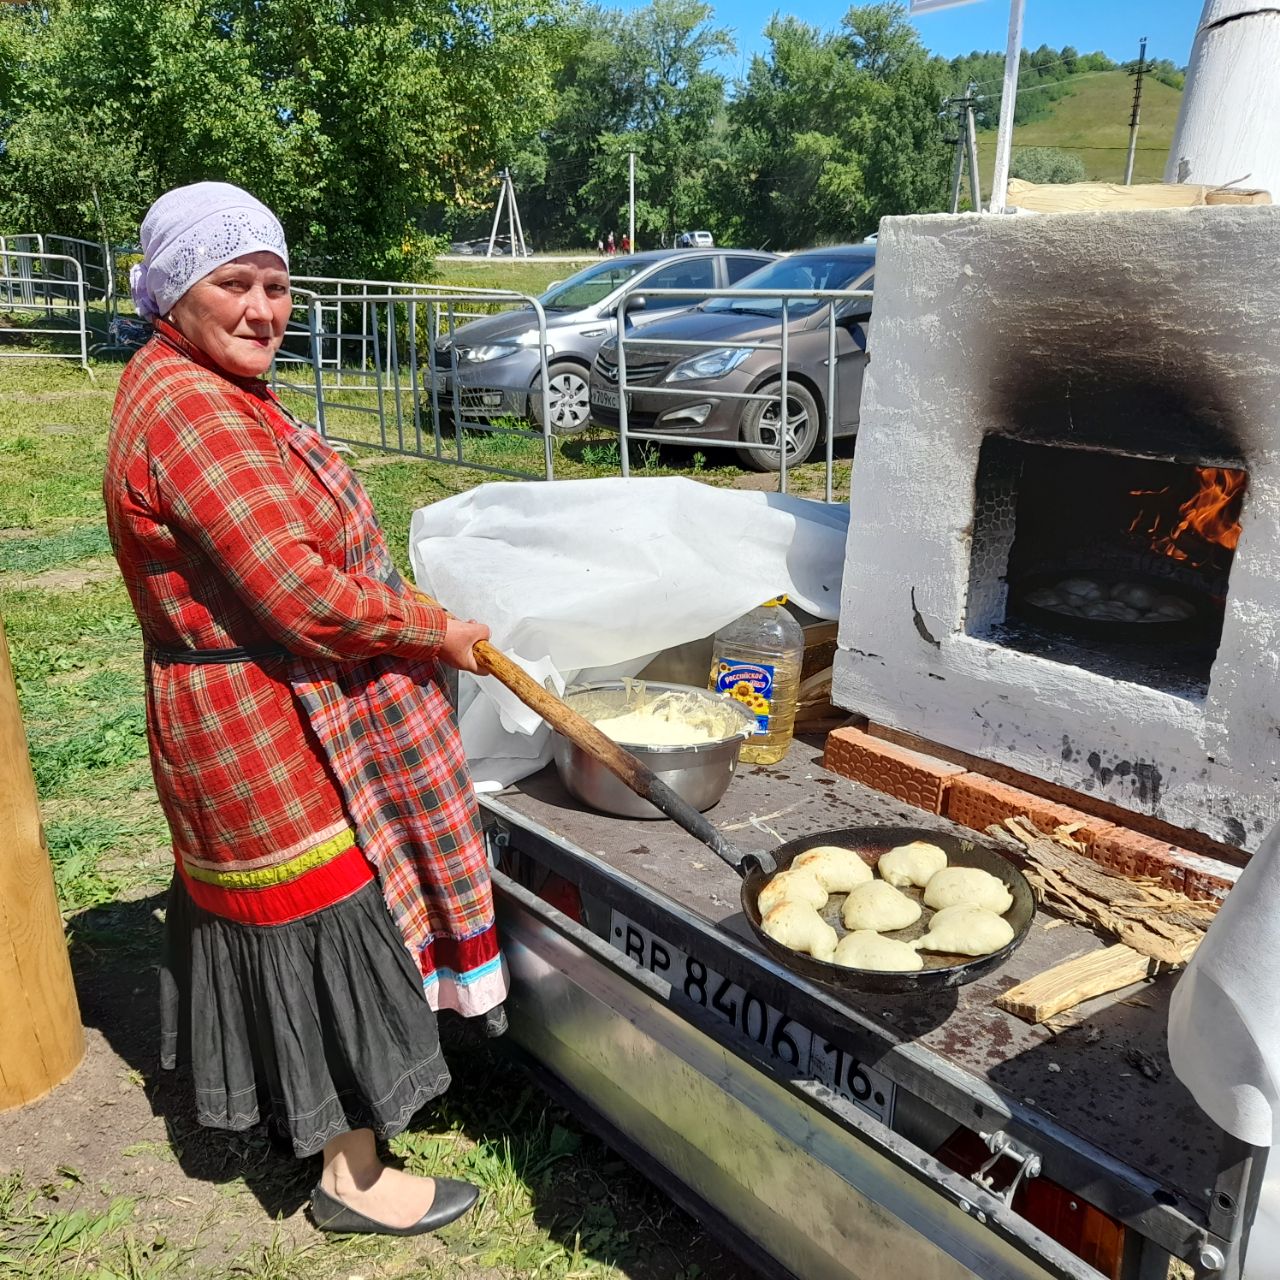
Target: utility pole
(511,213)
(497,214)
(515,232)
(966,144)
(971,135)
(957,165)
(631,219)
(1137,109)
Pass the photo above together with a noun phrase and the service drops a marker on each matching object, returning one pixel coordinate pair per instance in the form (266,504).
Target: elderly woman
(331,888)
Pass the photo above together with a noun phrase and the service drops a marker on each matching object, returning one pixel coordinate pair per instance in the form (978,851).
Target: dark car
(471,248)
(493,362)
(701,375)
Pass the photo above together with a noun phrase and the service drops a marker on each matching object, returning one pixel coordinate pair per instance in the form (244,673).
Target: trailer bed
(1097,1101)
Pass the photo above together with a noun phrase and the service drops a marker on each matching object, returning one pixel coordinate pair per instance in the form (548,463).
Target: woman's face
(237,313)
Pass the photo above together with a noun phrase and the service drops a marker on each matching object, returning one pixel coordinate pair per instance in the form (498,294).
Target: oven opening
(1116,564)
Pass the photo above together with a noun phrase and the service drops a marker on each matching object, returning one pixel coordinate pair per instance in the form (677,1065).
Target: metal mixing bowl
(700,774)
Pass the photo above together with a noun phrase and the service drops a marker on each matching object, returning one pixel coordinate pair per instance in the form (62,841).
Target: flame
(1212,515)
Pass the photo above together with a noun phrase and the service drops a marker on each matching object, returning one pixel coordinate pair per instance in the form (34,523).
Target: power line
(1049,84)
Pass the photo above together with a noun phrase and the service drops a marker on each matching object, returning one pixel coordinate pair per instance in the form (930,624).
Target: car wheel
(570,403)
(761,425)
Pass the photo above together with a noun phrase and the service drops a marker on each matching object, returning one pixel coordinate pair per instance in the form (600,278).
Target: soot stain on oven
(1145,779)
(1109,381)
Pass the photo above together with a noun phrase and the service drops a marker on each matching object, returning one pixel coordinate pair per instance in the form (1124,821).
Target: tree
(1044,76)
(630,82)
(833,130)
(348,118)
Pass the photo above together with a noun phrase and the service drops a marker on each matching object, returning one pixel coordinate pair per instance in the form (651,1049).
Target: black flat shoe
(453,1199)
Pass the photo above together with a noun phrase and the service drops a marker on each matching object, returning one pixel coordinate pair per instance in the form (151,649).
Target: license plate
(607,399)
(781,1038)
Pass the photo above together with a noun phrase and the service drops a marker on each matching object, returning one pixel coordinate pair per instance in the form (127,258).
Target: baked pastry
(966,930)
(880,907)
(792,886)
(955,885)
(912,863)
(800,928)
(867,949)
(836,870)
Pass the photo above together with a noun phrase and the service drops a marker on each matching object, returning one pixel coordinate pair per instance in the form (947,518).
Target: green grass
(62,547)
(1092,122)
(532,276)
(77,1244)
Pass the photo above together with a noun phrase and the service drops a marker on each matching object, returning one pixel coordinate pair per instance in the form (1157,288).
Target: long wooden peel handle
(617,759)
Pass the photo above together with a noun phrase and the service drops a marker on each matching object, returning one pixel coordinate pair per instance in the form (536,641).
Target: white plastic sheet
(1224,1032)
(588,579)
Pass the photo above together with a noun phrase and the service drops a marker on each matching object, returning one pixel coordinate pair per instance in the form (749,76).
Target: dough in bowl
(966,930)
(866,949)
(911,863)
(792,886)
(801,928)
(955,885)
(880,907)
(836,870)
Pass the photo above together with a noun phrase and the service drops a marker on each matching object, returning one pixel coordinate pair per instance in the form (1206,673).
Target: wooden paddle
(617,759)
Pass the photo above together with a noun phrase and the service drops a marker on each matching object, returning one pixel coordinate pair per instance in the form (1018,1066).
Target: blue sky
(1114,26)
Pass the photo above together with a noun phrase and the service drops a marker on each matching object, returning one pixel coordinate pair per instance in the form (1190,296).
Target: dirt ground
(235,1204)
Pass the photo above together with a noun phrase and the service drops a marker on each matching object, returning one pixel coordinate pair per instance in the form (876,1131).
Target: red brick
(1101,812)
(1210,885)
(1174,867)
(978,802)
(907,775)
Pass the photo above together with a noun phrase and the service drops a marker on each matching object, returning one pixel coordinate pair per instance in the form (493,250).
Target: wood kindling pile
(1156,927)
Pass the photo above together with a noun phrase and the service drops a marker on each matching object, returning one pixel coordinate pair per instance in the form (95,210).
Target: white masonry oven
(1065,554)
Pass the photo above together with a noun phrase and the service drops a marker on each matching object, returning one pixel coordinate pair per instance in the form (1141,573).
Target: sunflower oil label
(750,683)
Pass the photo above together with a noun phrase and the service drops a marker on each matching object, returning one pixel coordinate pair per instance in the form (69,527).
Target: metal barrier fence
(97,263)
(377,362)
(779,375)
(48,285)
(97,266)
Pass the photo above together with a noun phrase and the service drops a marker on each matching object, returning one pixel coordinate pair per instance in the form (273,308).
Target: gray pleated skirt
(317,1027)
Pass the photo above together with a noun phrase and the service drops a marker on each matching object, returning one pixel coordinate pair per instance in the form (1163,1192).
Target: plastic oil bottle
(757,661)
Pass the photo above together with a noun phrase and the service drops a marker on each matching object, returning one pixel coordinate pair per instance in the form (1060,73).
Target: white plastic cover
(1224,1031)
(588,579)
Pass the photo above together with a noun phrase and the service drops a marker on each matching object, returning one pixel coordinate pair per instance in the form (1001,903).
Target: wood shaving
(1138,910)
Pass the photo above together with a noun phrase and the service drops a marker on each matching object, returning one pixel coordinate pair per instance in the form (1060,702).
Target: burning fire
(1212,515)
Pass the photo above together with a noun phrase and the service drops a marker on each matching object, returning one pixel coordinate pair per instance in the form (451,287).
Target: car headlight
(490,351)
(710,364)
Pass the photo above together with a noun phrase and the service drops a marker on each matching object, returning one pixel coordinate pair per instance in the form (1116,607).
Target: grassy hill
(1092,122)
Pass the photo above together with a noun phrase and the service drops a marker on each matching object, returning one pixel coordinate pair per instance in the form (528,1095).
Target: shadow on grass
(553,1194)
(115,953)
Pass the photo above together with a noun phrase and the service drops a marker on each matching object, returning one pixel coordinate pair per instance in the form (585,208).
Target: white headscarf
(191,230)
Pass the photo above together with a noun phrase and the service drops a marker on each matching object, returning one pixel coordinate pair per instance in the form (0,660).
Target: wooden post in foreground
(41,1040)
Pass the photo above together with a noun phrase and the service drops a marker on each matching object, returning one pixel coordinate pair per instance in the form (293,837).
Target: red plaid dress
(284,778)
